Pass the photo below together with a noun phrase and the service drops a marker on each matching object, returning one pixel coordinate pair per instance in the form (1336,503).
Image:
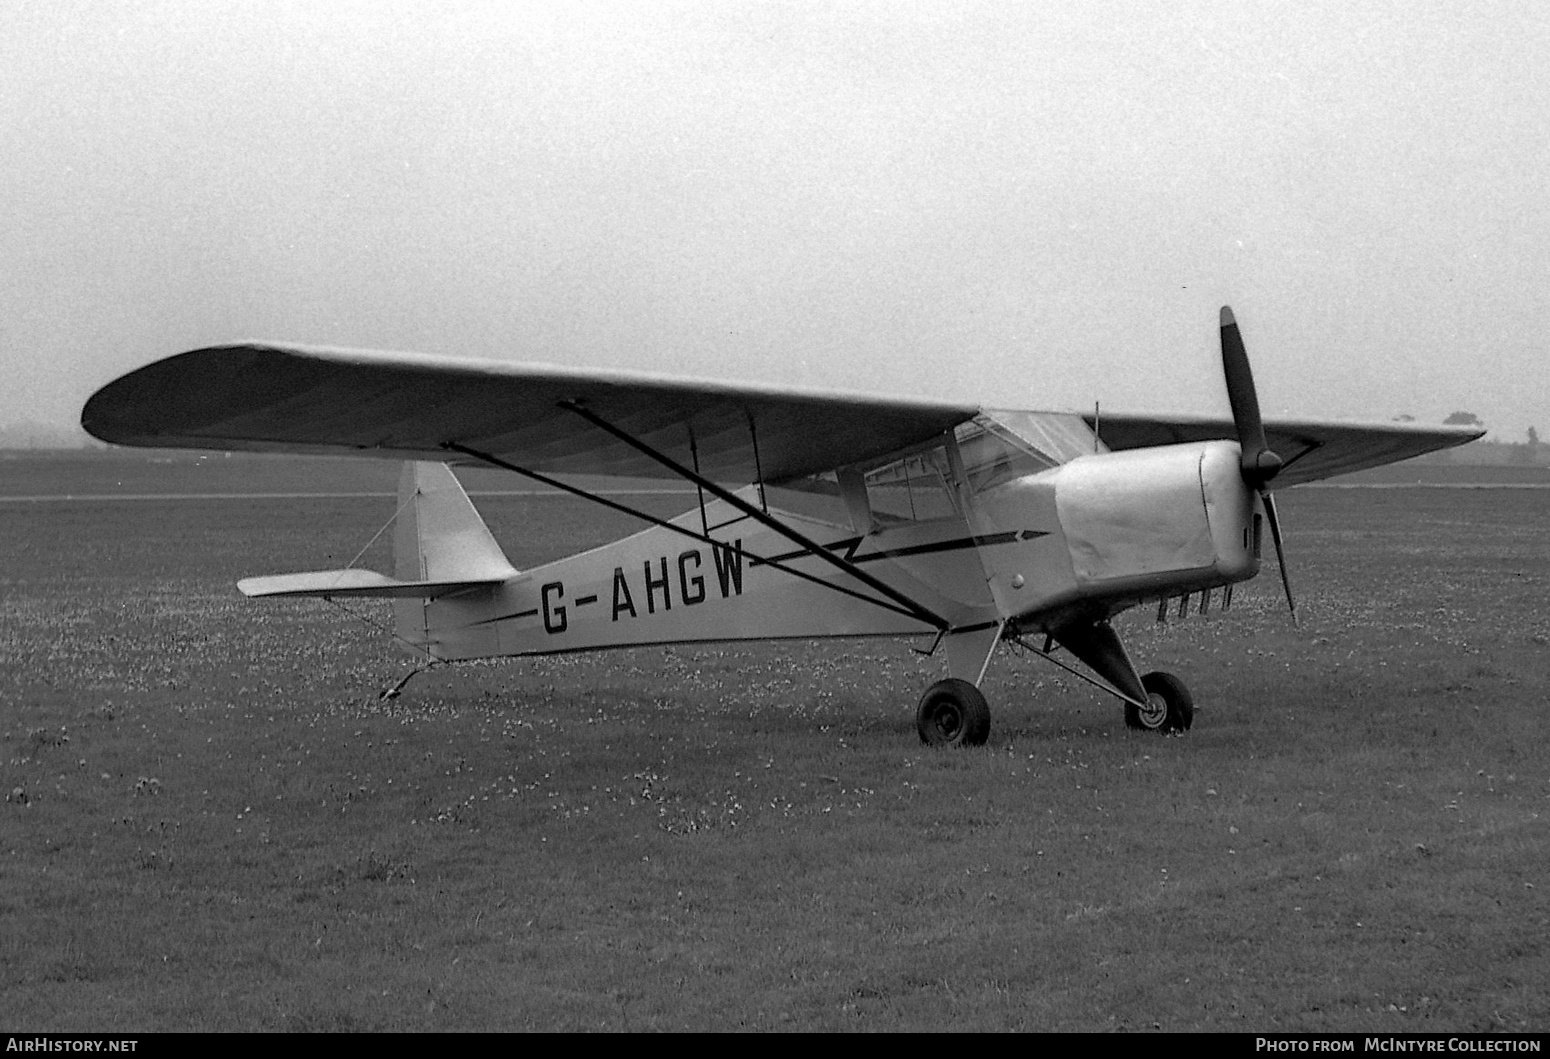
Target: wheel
(952,712)
(1170,707)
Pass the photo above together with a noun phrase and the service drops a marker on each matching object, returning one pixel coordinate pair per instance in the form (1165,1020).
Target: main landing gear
(1169,706)
(953,712)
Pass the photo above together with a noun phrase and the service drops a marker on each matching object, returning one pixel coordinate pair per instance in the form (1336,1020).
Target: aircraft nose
(1230,510)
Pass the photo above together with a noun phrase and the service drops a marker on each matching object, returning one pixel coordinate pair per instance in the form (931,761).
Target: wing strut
(915,609)
(758,466)
(694,454)
(704,538)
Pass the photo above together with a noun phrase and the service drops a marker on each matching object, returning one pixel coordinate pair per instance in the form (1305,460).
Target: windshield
(1059,436)
(995,447)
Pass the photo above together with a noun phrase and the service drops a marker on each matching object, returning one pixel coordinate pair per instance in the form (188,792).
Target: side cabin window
(993,448)
(912,489)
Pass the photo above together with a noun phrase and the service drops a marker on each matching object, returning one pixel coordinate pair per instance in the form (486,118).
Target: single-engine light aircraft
(819,514)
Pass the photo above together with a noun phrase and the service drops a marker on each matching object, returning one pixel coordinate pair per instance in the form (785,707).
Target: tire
(1173,709)
(952,712)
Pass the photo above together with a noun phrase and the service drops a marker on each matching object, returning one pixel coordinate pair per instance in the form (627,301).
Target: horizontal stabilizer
(355,582)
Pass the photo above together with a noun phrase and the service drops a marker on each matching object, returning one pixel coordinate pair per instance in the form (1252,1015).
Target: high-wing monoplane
(818,515)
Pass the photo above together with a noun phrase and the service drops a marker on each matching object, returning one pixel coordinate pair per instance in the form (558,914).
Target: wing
(1312,449)
(285,398)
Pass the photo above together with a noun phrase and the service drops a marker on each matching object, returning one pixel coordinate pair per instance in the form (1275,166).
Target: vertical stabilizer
(439,536)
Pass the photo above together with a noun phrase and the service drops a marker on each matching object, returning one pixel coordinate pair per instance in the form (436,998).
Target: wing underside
(279,398)
(1312,449)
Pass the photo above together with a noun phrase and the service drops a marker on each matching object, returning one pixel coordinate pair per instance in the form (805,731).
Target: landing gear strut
(953,713)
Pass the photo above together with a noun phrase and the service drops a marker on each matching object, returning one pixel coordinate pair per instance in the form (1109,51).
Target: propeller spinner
(1258,463)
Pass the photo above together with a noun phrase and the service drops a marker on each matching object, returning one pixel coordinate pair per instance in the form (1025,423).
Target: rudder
(440,536)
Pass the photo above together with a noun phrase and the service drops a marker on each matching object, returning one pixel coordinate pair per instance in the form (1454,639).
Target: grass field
(213,823)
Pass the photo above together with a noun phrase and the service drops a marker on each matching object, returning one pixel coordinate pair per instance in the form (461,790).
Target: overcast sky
(1025,204)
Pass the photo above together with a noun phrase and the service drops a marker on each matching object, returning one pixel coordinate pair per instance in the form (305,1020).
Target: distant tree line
(1488,451)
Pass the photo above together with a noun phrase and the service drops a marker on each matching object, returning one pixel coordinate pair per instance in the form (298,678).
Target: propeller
(1259,463)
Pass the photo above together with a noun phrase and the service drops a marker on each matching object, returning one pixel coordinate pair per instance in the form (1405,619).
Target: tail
(448,568)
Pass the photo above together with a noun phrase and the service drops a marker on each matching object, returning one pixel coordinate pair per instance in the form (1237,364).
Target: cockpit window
(913,489)
(1059,436)
(995,447)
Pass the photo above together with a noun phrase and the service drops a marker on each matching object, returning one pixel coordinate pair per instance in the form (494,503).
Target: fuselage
(1080,541)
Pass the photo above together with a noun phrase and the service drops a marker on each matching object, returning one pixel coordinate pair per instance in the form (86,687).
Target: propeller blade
(1258,463)
(1275,534)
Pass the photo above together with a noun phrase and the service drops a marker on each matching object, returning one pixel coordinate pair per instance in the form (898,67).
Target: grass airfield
(213,823)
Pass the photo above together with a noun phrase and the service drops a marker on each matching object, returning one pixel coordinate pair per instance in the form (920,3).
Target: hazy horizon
(1024,205)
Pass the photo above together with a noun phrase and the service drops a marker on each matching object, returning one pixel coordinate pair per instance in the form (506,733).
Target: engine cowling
(1135,525)
(1157,519)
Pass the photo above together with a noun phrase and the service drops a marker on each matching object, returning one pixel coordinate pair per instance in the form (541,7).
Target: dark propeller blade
(1275,535)
(1259,463)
